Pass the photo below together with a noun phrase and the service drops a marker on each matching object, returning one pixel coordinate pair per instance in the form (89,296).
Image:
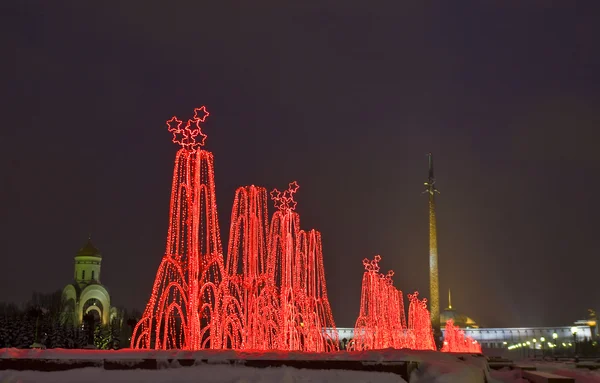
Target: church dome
(459,319)
(89,250)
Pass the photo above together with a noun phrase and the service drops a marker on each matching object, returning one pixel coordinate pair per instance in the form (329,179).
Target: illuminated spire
(449,299)
(434,290)
(430,184)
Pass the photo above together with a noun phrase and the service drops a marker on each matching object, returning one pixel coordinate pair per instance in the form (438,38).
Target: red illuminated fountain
(296,265)
(250,311)
(180,312)
(270,294)
(419,324)
(381,322)
(456,341)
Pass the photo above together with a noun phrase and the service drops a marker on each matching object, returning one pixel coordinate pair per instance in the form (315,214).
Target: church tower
(86,295)
(434,288)
(88,261)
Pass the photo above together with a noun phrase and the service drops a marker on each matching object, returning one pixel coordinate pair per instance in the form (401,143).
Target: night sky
(344,97)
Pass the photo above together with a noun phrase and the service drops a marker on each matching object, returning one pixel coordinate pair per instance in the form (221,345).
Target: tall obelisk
(434,287)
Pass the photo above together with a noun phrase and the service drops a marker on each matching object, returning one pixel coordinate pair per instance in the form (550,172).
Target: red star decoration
(292,204)
(293,187)
(179,137)
(200,138)
(201,113)
(190,136)
(285,200)
(173,124)
(275,194)
(193,130)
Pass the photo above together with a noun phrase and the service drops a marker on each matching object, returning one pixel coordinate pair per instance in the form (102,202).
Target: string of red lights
(456,341)
(381,322)
(269,293)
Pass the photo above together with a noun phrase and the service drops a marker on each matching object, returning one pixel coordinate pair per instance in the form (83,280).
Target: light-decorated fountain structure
(269,291)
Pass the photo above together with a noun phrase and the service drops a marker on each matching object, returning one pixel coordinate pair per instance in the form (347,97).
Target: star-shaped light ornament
(275,194)
(174,124)
(375,263)
(284,201)
(191,136)
(194,132)
(201,113)
(179,137)
(293,187)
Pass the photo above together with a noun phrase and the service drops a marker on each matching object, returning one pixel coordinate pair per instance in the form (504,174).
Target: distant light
(542,339)
(574,330)
(555,335)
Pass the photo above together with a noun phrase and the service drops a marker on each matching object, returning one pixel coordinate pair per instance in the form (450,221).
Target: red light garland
(456,341)
(296,265)
(270,294)
(381,322)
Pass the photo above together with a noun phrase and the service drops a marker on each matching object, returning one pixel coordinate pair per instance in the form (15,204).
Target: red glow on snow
(456,341)
(381,322)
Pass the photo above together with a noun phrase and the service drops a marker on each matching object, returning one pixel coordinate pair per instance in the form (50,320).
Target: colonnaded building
(86,294)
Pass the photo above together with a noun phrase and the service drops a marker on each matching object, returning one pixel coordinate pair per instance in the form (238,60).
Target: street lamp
(534,342)
(554,338)
(574,332)
(542,340)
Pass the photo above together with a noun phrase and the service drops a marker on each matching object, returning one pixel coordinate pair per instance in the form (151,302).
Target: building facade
(86,294)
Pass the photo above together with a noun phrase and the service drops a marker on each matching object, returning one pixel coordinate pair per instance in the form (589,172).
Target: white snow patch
(205,374)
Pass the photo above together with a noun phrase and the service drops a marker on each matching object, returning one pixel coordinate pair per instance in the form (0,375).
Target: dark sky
(346,98)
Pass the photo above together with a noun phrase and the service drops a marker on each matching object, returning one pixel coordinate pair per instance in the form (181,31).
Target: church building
(87,295)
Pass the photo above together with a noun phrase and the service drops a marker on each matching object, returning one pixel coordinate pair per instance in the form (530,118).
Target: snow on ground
(225,355)
(196,374)
(581,375)
(433,366)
